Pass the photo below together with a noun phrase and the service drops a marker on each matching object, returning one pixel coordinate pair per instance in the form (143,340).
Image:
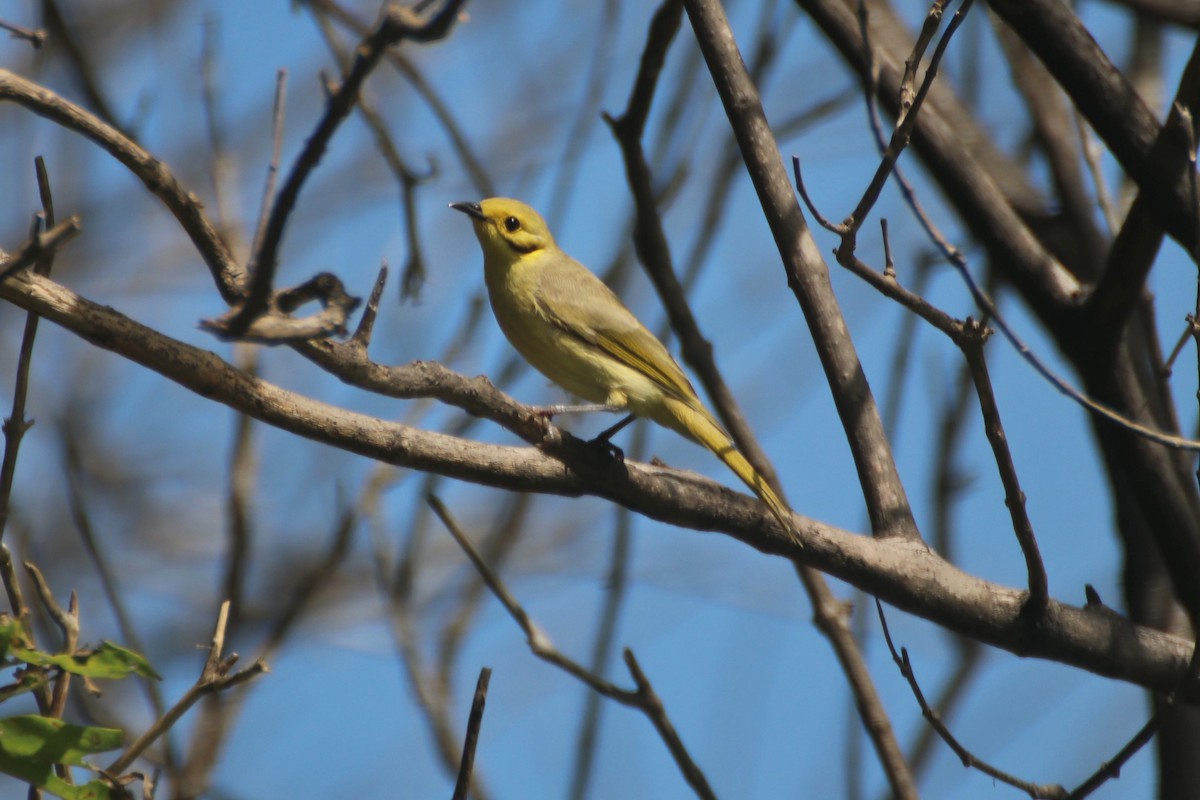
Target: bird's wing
(610,326)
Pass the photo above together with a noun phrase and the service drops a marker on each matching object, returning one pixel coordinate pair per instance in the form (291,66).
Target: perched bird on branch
(571,327)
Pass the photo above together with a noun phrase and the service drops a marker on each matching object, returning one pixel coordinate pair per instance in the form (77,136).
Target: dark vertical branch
(1054,32)
(1014,498)
(15,424)
(807,275)
(474,722)
(1120,288)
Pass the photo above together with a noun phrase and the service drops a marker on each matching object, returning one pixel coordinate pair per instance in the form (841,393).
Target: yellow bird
(571,327)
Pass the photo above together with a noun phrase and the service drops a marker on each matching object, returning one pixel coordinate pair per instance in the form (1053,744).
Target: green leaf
(92,790)
(30,746)
(113,661)
(106,661)
(51,741)
(47,781)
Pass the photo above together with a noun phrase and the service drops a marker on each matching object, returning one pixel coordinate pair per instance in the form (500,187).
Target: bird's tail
(699,426)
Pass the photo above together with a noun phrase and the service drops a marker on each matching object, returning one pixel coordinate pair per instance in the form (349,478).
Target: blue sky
(724,633)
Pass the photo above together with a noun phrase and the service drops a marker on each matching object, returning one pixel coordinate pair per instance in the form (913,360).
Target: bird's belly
(582,368)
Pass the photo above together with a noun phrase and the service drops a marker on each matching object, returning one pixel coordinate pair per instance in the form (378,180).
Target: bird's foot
(604,440)
(604,446)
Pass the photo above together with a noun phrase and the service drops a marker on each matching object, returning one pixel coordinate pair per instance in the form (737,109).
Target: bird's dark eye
(512,224)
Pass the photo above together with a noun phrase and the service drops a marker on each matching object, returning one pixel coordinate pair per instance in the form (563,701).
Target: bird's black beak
(472,210)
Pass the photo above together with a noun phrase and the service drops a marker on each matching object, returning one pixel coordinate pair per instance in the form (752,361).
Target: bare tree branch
(644,698)
(396,24)
(215,677)
(474,721)
(901,573)
(808,277)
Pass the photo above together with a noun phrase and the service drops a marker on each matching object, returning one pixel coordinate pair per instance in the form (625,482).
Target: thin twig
(366,323)
(907,121)
(62,684)
(431,692)
(442,111)
(1189,330)
(870,89)
(412,278)
(1014,498)
(463,785)
(949,482)
(889,266)
(214,677)
(1034,790)
(20,610)
(642,698)
(396,24)
(1111,769)
(497,548)
(822,220)
(890,287)
(278,111)
(35,36)
(956,258)
(67,621)
(40,245)
(15,425)
(68,624)
(1092,153)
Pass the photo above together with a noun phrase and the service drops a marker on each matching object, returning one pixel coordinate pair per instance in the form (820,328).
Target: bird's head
(507,228)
